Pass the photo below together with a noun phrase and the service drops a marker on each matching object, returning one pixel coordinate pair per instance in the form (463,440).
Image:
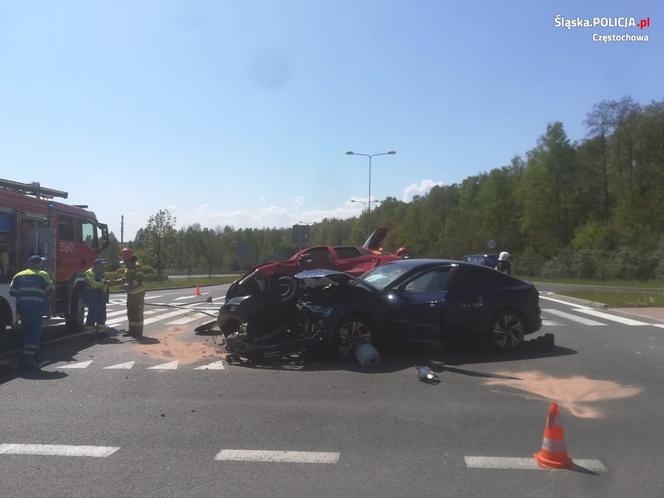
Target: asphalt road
(157,431)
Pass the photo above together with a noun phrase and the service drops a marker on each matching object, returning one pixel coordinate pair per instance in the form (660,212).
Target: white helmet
(504,256)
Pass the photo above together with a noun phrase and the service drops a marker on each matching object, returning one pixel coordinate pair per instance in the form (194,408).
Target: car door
(418,311)
(316,257)
(466,301)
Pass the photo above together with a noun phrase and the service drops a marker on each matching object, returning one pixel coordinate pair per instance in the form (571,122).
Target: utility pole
(121,229)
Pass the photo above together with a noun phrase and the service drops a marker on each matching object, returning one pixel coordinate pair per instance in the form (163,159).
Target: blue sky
(240,112)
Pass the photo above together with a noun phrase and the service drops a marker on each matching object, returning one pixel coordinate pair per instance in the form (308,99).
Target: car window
(319,254)
(65,228)
(87,233)
(466,277)
(347,252)
(382,276)
(432,281)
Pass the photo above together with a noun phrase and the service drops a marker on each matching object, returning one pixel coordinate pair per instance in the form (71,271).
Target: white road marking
(576,305)
(660,325)
(219,298)
(277,456)
(80,364)
(121,366)
(186,319)
(217,365)
(58,450)
(153,297)
(117,321)
(185,297)
(508,463)
(116,313)
(574,318)
(173,365)
(614,318)
(550,323)
(165,316)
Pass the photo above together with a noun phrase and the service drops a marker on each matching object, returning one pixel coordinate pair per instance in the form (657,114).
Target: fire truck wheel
(75,317)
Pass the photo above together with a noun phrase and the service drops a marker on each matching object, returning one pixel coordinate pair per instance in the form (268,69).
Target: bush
(527,263)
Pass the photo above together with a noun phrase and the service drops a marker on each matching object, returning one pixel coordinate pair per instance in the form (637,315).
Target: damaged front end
(259,328)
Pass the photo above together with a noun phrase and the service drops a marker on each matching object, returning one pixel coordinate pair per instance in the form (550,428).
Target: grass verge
(182,283)
(620,299)
(643,284)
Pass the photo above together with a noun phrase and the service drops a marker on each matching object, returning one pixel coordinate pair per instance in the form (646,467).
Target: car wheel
(352,331)
(507,330)
(75,318)
(229,326)
(287,288)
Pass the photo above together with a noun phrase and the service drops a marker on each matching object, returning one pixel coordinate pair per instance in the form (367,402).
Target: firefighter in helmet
(503,263)
(31,288)
(133,284)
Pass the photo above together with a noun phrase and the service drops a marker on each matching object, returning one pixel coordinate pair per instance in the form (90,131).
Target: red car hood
(375,240)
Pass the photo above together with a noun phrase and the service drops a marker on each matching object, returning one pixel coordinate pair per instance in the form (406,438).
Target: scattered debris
(367,355)
(425,374)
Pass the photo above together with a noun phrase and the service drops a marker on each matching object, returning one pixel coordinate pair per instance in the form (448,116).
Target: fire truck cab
(69,237)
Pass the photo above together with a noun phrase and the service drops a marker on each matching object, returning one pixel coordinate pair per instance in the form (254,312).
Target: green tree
(160,240)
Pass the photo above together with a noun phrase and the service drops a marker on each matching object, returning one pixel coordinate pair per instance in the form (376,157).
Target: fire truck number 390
(66,246)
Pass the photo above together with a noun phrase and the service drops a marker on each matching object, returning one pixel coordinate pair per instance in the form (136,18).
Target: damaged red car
(276,280)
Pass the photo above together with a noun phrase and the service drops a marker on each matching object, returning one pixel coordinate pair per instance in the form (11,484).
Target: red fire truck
(69,237)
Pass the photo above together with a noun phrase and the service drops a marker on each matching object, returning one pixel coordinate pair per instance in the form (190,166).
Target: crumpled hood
(333,276)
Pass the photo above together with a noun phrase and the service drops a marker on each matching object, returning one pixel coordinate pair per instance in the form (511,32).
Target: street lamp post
(370,156)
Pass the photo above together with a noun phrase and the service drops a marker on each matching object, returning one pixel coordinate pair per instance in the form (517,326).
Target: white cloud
(420,189)
(297,200)
(202,207)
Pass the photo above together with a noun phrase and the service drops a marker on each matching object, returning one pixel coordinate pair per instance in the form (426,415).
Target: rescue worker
(133,283)
(31,288)
(95,296)
(503,263)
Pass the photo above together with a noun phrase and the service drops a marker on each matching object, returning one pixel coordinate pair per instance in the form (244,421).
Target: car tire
(506,330)
(352,330)
(286,288)
(229,327)
(75,319)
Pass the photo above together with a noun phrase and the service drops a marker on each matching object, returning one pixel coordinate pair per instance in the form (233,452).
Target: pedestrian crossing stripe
(129,365)
(78,365)
(217,365)
(171,365)
(121,366)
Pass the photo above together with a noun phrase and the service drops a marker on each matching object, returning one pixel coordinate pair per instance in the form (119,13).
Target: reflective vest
(133,277)
(95,280)
(31,286)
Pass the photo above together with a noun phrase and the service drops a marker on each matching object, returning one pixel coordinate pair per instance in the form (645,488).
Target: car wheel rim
(507,331)
(286,289)
(353,333)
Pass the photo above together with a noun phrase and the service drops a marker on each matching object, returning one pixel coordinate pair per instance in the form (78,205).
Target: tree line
(592,208)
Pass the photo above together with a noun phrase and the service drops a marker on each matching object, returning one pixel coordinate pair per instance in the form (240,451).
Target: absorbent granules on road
(573,393)
(171,345)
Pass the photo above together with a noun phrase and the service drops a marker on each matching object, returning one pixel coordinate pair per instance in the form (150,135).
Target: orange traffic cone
(553,454)
(197,292)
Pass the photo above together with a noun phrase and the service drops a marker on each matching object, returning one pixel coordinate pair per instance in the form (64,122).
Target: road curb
(582,302)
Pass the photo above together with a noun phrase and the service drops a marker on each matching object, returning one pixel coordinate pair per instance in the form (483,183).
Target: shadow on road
(437,357)
(58,345)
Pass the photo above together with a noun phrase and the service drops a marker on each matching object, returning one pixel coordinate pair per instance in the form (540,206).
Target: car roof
(415,263)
